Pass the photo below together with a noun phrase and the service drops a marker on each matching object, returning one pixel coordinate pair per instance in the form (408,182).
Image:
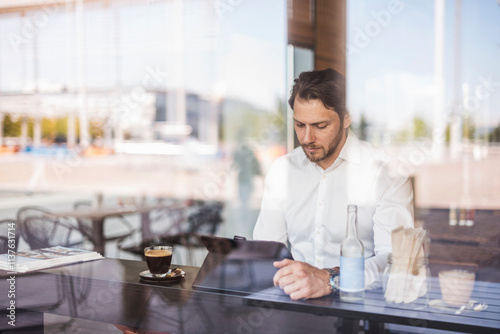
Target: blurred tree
(31,123)
(494,135)
(11,128)
(96,128)
(363,127)
(277,121)
(259,124)
(420,128)
(48,128)
(468,127)
(61,126)
(417,130)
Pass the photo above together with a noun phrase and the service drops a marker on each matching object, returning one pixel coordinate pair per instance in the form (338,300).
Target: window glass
(141,101)
(423,84)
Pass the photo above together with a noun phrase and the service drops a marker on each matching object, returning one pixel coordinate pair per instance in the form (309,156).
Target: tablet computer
(239,266)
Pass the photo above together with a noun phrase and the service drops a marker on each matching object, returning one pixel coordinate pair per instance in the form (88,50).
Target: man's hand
(301,280)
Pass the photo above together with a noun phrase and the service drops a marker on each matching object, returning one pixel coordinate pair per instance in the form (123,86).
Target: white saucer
(173,274)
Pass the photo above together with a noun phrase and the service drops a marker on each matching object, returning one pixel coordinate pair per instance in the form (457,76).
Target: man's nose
(308,136)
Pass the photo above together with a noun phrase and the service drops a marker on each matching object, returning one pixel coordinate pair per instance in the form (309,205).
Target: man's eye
(299,125)
(321,126)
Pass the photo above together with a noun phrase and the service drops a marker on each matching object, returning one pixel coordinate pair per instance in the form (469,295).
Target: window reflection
(142,99)
(420,81)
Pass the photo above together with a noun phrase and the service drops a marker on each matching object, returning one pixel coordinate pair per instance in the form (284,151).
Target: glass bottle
(352,260)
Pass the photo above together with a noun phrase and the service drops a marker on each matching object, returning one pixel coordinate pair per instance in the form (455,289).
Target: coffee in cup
(158,259)
(456,286)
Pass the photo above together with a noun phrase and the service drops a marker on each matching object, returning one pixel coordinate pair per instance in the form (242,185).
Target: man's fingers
(297,290)
(282,263)
(282,272)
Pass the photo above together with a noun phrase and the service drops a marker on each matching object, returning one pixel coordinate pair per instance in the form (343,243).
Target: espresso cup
(456,286)
(158,259)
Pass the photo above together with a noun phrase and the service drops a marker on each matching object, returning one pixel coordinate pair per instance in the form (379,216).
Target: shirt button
(320,204)
(324,176)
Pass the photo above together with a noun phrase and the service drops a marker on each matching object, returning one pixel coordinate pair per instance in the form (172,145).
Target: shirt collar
(351,151)
(352,148)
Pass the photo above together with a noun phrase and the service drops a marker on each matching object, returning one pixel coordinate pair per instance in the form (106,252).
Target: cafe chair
(206,219)
(8,232)
(41,229)
(203,219)
(85,225)
(167,219)
(178,224)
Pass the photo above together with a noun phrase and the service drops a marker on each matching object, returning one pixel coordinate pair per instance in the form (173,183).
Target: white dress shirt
(306,207)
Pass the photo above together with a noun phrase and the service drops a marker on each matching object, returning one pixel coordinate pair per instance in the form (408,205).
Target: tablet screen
(239,266)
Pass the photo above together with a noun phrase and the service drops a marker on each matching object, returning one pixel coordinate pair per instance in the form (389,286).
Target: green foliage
(11,128)
(420,128)
(96,129)
(242,121)
(417,130)
(363,127)
(53,129)
(469,129)
(494,135)
(277,122)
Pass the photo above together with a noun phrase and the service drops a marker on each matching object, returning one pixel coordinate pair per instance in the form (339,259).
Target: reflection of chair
(86,226)
(40,229)
(206,219)
(8,232)
(178,224)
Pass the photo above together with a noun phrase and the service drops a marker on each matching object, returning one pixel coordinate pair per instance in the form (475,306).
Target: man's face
(319,130)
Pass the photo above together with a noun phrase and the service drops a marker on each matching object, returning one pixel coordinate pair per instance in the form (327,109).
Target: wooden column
(330,35)
(300,23)
(320,25)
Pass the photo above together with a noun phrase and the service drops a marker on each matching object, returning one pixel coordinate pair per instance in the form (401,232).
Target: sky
(223,51)
(391,72)
(240,53)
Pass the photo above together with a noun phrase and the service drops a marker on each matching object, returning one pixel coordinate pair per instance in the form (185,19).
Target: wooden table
(98,216)
(111,291)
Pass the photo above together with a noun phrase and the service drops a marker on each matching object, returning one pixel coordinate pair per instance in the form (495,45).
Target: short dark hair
(326,85)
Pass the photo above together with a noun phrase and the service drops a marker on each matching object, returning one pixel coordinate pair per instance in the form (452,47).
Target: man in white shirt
(307,192)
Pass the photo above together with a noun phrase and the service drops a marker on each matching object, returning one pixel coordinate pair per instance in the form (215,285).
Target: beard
(324,152)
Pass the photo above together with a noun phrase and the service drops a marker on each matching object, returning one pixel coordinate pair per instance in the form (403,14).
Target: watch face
(334,278)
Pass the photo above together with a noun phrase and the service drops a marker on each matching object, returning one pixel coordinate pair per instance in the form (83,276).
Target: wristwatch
(334,278)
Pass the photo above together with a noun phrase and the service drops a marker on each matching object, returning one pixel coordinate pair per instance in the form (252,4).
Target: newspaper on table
(45,258)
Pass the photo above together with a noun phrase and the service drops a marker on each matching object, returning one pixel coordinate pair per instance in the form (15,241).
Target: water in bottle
(352,261)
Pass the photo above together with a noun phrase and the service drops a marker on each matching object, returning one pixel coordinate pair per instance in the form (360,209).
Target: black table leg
(348,325)
(98,235)
(375,327)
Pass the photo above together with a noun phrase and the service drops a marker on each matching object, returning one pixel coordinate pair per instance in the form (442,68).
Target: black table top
(111,290)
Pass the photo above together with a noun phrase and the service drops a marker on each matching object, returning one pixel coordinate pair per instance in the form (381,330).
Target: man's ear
(347,121)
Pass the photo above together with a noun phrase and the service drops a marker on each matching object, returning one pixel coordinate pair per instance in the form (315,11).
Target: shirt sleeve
(394,208)
(271,223)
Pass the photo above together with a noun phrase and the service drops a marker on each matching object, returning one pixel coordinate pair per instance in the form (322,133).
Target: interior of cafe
(131,123)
